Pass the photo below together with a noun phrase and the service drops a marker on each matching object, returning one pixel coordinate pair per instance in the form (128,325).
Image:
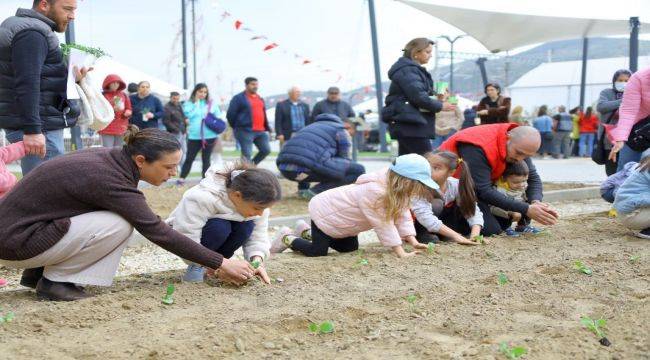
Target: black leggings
(193,148)
(320,242)
(451,218)
(414,145)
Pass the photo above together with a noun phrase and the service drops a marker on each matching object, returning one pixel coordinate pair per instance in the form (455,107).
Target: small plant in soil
(411,299)
(580,266)
(479,239)
(502,279)
(634,258)
(430,248)
(168,299)
(597,327)
(362,261)
(7,318)
(512,352)
(256,264)
(326,327)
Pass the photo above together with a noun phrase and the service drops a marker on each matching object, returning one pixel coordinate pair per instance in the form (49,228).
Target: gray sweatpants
(112,140)
(89,253)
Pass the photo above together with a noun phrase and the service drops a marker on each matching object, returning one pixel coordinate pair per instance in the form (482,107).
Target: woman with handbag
(609,102)
(200,136)
(411,104)
(631,135)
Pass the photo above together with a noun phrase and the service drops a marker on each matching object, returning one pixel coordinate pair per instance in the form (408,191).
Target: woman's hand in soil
(237,272)
(401,253)
(411,240)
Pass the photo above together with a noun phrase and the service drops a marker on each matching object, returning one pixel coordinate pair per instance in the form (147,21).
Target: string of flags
(271,46)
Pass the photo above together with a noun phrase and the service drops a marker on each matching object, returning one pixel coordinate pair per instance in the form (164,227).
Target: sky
(332,34)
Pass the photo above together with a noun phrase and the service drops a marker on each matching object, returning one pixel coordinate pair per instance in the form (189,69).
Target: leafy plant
(96,52)
(580,266)
(167,299)
(502,279)
(514,352)
(634,258)
(411,299)
(326,327)
(430,248)
(9,317)
(479,239)
(256,264)
(362,261)
(597,327)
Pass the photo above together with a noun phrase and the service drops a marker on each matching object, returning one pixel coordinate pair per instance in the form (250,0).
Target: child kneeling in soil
(227,210)
(453,213)
(513,184)
(9,154)
(633,199)
(378,201)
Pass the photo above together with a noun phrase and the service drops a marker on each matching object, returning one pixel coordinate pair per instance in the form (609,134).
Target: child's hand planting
(401,253)
(411,240)
(260,270)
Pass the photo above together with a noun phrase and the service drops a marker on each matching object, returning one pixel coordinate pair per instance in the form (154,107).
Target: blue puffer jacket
(634,193)
(316,147)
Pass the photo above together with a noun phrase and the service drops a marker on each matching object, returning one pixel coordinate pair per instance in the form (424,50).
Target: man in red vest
(487,149)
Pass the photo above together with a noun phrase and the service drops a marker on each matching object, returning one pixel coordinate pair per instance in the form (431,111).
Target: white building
(558,83)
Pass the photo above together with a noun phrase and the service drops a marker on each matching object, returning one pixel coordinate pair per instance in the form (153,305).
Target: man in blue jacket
(320,153)
(33,80)
(247,117)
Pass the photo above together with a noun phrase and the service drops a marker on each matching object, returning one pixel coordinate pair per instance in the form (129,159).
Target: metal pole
(634,43)
(583,77)
(481,65)
(184,31)
(75,131)
(194,41)
(451,68)
(375,53)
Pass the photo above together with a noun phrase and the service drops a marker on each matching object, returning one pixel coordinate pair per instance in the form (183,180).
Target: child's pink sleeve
(405,225)
(7,181)
(13,152)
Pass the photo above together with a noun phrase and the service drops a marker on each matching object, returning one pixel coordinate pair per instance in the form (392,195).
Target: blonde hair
(399,192)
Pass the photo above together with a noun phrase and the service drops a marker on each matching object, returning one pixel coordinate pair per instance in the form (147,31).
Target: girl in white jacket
(227,210)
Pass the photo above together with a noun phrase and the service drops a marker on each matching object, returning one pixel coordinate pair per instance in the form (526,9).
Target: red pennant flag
(270,46)
(238,24)
(305,62)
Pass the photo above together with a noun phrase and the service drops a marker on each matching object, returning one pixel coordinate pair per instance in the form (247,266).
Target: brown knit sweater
(36,213)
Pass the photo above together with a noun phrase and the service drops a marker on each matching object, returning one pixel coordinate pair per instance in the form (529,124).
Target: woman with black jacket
(411,104)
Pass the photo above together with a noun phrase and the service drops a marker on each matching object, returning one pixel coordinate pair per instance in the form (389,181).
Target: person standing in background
(563,125)
(113,134)
(147,109)
(608,104)
(332,105)
(544,124)
(291,115)
(588,129)
(175,121)
(494,107)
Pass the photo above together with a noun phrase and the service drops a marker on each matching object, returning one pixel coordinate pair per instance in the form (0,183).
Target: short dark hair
(151,143)
(133,87)
(333,90)
(249,80)
(174,93)
(543,110)
(519,168)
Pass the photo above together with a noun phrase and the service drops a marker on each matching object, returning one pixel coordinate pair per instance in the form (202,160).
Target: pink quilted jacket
(9,154)
(635,105)
(349,210)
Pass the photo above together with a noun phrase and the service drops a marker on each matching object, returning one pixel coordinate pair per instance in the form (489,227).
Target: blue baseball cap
(415,167)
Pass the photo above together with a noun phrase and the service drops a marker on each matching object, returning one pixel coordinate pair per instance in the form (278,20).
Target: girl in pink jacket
(635,107)
(378,201)
(9,154)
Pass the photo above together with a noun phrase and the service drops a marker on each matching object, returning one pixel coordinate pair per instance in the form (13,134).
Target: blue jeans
(225,236)
(53,144)
(324,183)
(586,144)
(627,155)
(435,143)
(247,138)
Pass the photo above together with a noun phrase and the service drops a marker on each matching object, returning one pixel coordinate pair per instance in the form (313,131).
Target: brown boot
(31,276)
(59,291)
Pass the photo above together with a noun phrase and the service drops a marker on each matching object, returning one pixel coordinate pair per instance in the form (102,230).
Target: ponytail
(256,185)
(151,143)
(467,198)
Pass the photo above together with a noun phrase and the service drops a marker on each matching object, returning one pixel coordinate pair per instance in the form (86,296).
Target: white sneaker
(301,227)
(278,245)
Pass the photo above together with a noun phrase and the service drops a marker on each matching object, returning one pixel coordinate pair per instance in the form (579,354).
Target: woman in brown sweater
(68,221)
(494,108)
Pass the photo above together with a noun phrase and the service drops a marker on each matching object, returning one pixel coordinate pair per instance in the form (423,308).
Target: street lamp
(451,55)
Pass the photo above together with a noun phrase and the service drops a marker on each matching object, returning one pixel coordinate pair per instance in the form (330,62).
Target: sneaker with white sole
(301,227)
(644,234)
(278,245)
(194,273)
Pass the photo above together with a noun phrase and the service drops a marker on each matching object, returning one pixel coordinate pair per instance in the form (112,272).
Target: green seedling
(479,239)
(634,258)
(597,327)
(362,262)
(502,279)
(167,299)
(411,299)
(580,266)
(7,318)
(514,352)
(430,248)
(326,327)
(256,264)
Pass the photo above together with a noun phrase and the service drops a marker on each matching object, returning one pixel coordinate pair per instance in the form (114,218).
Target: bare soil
(460,310)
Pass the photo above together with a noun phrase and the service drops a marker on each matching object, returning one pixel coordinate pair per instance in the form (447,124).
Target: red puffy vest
(491,138)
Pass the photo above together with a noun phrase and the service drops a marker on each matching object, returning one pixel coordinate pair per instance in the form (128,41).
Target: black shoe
(59,291)
(644,234)
(31,276)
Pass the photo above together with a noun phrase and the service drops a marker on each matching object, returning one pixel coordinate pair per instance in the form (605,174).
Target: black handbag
(639,139)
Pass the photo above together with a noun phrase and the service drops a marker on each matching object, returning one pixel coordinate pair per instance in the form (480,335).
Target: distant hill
(467,77)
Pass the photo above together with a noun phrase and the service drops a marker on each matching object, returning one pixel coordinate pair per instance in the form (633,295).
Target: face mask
(619,86)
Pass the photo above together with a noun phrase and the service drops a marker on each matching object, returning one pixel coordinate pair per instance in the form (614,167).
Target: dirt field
(164,199)
(460,311)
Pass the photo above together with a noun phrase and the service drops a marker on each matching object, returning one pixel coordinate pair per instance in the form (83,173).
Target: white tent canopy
(106,65)
(516,30)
